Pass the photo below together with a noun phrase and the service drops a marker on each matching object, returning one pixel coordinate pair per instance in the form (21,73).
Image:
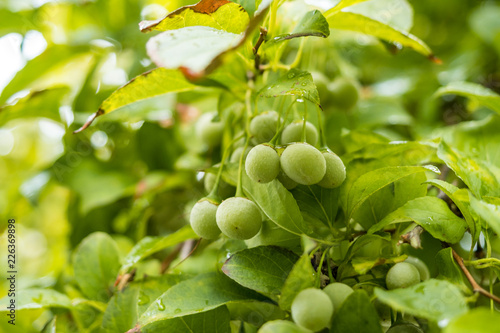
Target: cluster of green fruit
(301,162)
(313,309)
(295,161)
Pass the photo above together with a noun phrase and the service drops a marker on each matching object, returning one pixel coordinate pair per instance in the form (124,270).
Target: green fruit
(235,156)
(404,328)
(335,171)
(344,93)
(312,309)
(225,190)
(286,181)
(263,126)
(338,292)
(421,266)
(321,83)
(202,219)
(239,218)
(303,163)
(402,275)
(210,131)
(293,133)
(262,164)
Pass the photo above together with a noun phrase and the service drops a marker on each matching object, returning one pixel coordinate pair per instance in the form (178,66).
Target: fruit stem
(322,138)
(318,277)
(304,121)
(281,125)
(239,186)
(214,192)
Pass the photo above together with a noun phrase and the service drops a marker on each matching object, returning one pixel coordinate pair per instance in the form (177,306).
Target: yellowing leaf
(219,14)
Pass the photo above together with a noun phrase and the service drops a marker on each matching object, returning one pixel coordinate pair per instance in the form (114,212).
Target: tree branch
(475,286)
(262,37)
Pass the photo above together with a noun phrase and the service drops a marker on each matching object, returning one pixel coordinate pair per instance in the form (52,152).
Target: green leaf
(395,13)
(489,211)
(341,5)
(156,82)
(432,299)
(49,60)
(296,83)
(193,48)
(255,313)
(280,207)
(202,293)
(281,326)
(218,14)
(432,214)
(263,269)
(478,320)
(96,263)
(370,182)
(390,198)
(272,234)
(478,139)
(149,245)
(380,111)
(127,305)
(44,103)
(216,321)
(50,327)
(312,24)
(36,299)
(366,25)
(464,207)
(480,177)
(356,314)
(121,313)
(301,276)
(448,268)
(322,203)
(477,93)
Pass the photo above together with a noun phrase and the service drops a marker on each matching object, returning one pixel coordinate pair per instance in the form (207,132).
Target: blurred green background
(134,172)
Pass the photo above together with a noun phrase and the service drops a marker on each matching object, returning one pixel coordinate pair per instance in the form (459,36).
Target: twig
(475,286)
(136,329)
(262,37)
(124,279)
(168,260)
(189,254)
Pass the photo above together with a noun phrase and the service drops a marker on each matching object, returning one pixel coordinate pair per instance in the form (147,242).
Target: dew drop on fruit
(177,310)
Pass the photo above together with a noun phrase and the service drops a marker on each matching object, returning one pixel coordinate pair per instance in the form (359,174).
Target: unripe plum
(338,292)
(239,218)
(303,163)
(263,126)
(262,164)
(210,131)
(286,181)
(402,275)
(293,133)
(225,190)
(335,171)
(344,93)
(312,309)
(202,219)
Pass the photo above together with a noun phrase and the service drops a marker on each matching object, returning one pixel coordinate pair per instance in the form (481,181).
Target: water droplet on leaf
(160,305)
